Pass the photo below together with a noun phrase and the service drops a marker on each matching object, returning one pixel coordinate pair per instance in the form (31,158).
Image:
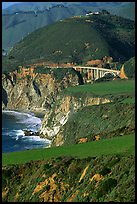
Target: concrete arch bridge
(94,73)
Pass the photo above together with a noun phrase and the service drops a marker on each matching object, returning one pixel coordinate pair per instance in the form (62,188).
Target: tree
(104,11)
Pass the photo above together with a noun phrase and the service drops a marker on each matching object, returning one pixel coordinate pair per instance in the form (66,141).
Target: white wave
(27,118)
(31,119)
(17,134)
(11,112)
(31,123)
(36,138)
(13,133)
(20,133)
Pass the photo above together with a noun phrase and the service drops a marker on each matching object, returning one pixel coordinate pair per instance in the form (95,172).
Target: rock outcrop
(64,107)
(35,94)
(42,94)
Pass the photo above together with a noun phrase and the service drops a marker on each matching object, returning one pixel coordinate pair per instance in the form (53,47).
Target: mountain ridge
(38,16)
(77,39)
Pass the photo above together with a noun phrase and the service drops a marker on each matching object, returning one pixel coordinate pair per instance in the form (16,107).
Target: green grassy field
(105,88)
(111,146)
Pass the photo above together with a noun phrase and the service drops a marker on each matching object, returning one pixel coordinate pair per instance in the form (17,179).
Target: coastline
(38,114)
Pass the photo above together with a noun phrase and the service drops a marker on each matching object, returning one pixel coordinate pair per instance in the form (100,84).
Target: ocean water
(13,138)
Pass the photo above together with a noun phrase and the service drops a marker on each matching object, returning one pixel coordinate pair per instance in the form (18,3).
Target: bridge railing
(97,68)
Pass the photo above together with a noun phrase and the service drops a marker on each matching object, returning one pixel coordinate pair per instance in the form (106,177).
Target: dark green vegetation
(75,40)
(58,73)
(130,67)
(96,171)
(68,179)
(105,120)
(33,15)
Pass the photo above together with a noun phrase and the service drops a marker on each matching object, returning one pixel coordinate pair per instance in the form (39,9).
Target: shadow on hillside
(80,78)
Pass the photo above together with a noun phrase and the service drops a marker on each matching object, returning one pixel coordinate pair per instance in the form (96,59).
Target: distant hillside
(77,40)
(126,10)
(21,19)
(16,26)
(41,6)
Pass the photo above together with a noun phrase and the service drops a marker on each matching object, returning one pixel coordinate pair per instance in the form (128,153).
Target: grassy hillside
(104,178)
(16,26)
(96,171)
(34,15)
(105,120)
(130,67)
(91,149)
(75,40)
(111,88)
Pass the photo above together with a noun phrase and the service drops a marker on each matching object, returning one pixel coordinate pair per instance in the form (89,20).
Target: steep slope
(16,26)
(77,40)
(108,178)
(39,93)
(130,67)
(24,18)
(85,112)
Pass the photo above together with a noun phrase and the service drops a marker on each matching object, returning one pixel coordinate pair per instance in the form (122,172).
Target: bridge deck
(92,68)
(98,68)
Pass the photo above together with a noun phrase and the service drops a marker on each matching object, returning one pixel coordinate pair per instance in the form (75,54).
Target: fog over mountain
(8,4)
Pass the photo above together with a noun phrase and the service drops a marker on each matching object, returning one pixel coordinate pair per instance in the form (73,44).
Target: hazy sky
(7,4)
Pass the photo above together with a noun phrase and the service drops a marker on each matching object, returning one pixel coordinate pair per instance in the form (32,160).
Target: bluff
(35,94)
(44,92)
(70,117)
(64,108)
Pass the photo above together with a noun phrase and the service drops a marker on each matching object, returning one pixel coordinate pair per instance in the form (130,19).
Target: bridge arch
(112,73)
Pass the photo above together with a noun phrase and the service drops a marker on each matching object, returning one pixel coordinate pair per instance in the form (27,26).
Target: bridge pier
(101,74)
(94,73)
(89,73)
(97,76)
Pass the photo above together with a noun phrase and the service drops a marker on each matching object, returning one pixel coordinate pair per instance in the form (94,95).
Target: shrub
(106,186)
(105,171)
(74,169)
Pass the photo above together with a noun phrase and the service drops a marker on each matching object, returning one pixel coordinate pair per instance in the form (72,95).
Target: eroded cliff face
(35,94)
(64,107)
(42,93)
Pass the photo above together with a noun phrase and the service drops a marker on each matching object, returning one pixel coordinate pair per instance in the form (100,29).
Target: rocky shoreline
(35,113)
